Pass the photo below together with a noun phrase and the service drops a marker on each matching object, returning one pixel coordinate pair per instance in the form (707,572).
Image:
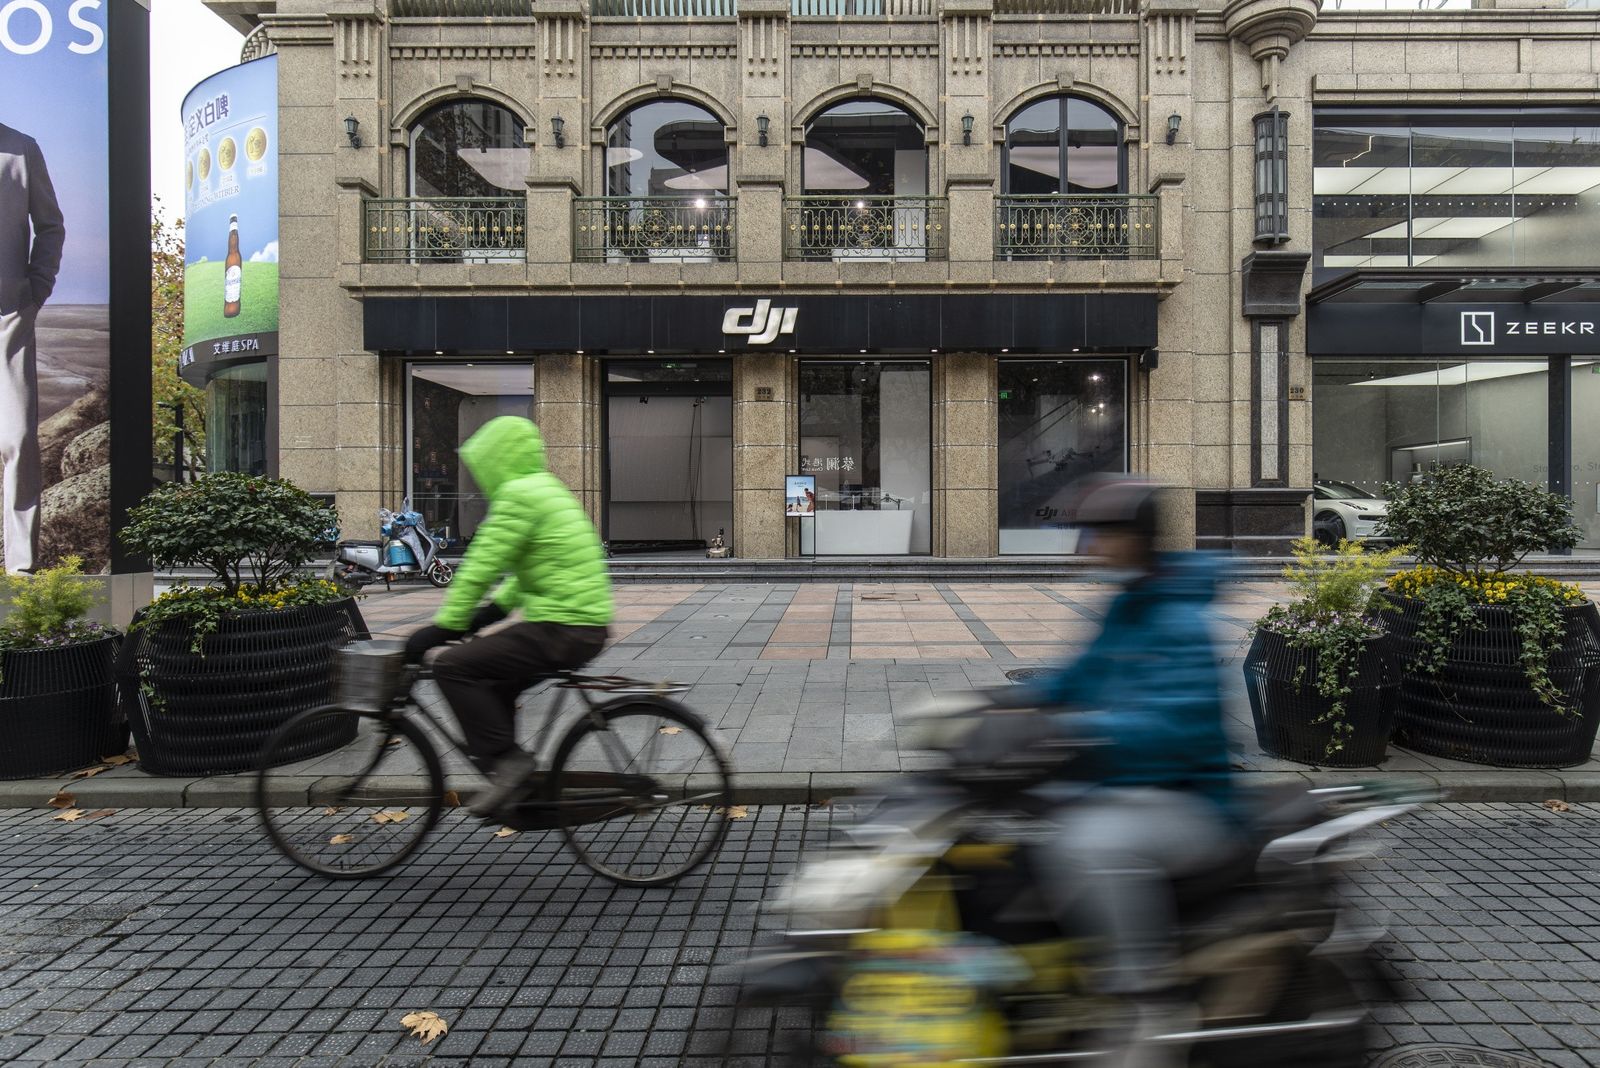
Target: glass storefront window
(447,403)
(865,433)
(1377,421)
(865,147)
(1586,451)
(666,148)
(669,454)
(1060,420)
(1506,188)
(1064,135)
(236,419)
(468,148)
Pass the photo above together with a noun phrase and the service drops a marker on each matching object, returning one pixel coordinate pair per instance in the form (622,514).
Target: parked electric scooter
(406,550)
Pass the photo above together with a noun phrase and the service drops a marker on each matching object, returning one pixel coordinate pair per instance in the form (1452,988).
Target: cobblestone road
(160,937)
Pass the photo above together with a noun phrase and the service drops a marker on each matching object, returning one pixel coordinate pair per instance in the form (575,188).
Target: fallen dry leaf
(452,799)
(396,740)
(89,773)
(70,815)
(118,760)
(330,811)
(671,730)
(505,832)
(389,815)
(342,839)
(425,1025)
(737,812)
(62,800)
(1557,805)
(102,812)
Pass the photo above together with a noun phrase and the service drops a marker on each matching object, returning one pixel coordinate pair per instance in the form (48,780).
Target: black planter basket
(1480,707)
(58,709)
(1281,682)
(212,712)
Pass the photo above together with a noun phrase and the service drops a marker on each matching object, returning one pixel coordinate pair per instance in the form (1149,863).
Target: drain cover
(1455,1057)
(895,596)
(1027,674)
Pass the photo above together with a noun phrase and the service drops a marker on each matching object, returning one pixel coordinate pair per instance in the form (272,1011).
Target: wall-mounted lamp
(763,124)
(1173,122)
(966,129)
(352,130)
(557,126)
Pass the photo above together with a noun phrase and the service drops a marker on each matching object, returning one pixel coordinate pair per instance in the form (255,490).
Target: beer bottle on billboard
(233,271)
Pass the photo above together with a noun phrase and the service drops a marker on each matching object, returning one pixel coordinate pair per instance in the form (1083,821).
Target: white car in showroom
(1340,510)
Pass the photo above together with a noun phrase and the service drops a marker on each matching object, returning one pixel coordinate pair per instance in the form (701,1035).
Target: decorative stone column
(764,67)
(568,392)
(764,422)
(1269,28)
(966,29)
(965,456)
(558,170)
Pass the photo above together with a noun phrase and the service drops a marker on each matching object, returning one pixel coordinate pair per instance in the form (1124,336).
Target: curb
(137,790)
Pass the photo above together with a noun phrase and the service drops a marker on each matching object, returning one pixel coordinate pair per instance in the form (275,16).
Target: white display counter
(857,533)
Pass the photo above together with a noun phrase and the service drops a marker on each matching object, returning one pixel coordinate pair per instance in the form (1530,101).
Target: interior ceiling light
(1452,181)
(1462,373)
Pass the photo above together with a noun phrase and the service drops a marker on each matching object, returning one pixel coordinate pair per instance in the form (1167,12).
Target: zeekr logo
(1477,328)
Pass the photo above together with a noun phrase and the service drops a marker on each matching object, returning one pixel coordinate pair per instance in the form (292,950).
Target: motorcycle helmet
(1118,502)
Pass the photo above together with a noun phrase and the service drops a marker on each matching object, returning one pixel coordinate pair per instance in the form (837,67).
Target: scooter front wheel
(441,574)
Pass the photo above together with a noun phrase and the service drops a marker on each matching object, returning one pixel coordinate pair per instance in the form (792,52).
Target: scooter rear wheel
(441,574)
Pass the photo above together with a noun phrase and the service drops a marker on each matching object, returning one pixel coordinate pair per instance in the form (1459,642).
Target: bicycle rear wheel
(642,790)
(368,811)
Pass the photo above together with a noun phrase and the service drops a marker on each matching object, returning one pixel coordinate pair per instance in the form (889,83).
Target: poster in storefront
(800,495)
(230,169)
(55,284)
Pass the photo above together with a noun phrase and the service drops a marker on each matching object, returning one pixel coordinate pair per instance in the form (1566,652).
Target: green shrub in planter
(1321,685)
(58,700)
(1500,667)
(214,669)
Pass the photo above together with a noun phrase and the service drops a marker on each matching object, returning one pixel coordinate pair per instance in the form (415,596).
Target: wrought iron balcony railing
(689,229)
(447,230)
(866,228)
(1077,227)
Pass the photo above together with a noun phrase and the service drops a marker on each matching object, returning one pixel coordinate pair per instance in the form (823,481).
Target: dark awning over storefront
(761,322)
(1454,313)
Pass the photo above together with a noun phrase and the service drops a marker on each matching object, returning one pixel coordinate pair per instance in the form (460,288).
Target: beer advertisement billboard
(55,284)
(230,281)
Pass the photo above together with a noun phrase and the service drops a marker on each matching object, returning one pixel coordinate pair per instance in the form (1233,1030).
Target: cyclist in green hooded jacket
(536,552)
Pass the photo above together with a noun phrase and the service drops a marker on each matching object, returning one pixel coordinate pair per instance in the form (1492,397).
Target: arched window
(666,148)
(468,148)
(865,148)
(864,173)
(1064,144)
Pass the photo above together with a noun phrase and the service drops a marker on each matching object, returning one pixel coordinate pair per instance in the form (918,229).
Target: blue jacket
(1150,683)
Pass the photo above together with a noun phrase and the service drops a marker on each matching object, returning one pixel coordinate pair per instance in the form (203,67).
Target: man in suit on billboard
(31,237)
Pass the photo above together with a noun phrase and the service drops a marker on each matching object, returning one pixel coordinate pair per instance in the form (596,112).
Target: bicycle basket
(369,674)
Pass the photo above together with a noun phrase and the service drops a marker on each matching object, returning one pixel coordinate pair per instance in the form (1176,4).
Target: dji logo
(762,324)
(1477,328)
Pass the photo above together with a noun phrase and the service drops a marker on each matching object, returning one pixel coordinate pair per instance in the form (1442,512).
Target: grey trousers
(1109,870)
(19,439)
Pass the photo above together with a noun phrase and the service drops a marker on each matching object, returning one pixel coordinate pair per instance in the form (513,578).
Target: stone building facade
(1172,256)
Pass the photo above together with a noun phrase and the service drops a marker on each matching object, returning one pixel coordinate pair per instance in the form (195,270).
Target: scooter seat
(358,541)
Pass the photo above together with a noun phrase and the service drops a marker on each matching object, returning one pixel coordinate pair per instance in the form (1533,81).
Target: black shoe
(506,782)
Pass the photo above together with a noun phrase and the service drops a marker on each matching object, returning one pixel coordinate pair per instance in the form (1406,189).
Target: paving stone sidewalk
(178,938)
(810,686)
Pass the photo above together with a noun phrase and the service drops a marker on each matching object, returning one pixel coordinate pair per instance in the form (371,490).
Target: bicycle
(598,790)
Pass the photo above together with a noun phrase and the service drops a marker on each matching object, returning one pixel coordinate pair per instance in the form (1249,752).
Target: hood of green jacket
(506,447)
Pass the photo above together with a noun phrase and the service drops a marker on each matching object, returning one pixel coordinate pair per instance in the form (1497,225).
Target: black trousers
(482,679)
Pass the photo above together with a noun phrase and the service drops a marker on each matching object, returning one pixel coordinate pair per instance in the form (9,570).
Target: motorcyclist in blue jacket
(1149,687)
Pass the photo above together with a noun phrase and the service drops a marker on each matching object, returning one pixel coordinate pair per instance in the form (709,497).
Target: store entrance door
(669,454)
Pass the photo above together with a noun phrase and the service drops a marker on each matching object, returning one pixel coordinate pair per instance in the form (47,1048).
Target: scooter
(923,939)
(407,549)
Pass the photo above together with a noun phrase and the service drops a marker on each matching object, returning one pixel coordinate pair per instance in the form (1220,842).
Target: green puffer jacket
(536,533)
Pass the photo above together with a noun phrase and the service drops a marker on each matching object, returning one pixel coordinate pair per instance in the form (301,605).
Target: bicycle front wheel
(642,790)
(363,810)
